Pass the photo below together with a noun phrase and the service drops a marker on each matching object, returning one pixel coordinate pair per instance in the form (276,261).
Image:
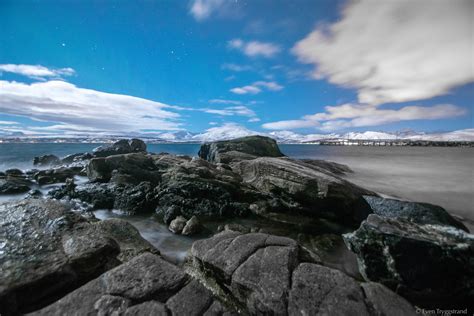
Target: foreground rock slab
(146,285)
(47,250)
(432,265)
(262,274)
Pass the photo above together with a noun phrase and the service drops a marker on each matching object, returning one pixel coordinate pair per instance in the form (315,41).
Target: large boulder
(304,188)
(263,274)
(240,148)
(47,251)
(46,160)
(14,185)
(55,175)
(146,285)
(123,169)
(123,146)
(432,265)
(421,213)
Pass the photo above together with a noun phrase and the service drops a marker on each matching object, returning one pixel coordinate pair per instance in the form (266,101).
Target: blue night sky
(303,66)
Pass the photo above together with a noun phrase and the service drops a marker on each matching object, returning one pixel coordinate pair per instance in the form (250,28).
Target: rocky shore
(56,258)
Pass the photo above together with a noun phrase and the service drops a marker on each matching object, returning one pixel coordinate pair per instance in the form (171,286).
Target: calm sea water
(442,176)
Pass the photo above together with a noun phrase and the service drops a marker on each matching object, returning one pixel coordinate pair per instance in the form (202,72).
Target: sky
(306,66)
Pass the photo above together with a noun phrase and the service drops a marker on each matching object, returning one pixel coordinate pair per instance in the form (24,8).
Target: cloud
(236,67)
(356,115)
(8,123)
(394,51)
(221,101)
(202,9)
(256,87)
(226,131)
(66,104)
(238,110)
(36,71)
(254,48)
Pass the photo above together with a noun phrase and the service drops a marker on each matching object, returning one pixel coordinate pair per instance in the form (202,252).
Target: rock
(420,213)
(123,169)
(43,257)
(2,175)
(240,148)
(197,187)
(298,187)
(50,250)
(333,167)
(192,300)
(14,172)
(55,175)
(431,265)
(46,160)
(146,279)
(262,274)
(14,185)
(34,194)
(135,199)
(382,301)
(177,225)
(70,159)
(192,227)
(123,146)
(99,195)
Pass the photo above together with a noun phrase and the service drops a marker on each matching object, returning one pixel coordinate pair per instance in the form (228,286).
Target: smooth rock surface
(123,146)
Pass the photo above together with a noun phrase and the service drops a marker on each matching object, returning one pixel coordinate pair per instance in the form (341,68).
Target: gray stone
(192,300)
(46,160)
(192,227)
(149,308)
(430,265)
(421,213)
(382,301)
(123,146)
(177,225)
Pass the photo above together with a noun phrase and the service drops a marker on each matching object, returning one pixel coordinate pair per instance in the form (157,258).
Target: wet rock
(146,280)
(46,160)
(135,199)
(14,172)
(333,167)
(34,194)
(192,227)
(75,158)
(55,175)
(123,146)
(262,274)
(420,213)
(298,187)
(44,256)
(240,148)
(431,265)
(2,175)
(99,195)
(123,169)
(234,227)
(382,301)
(177,225)
(14,185)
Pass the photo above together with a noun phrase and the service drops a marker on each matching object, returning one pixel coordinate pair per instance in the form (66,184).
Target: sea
(439,175)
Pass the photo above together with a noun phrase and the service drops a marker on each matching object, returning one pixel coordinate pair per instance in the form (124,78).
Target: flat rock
(262,274)
(421,213)
(123,146)
(430,265)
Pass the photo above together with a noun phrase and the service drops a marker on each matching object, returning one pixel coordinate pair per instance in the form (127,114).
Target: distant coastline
(325,142)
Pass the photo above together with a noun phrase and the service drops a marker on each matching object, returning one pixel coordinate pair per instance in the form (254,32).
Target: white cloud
(356,115)
(202,9)
(226,131)
(256,87)
(221,101)
(64,103)
(36,71)
(238,110)
(254,48)
(394,51)
(8,123)
(236,67)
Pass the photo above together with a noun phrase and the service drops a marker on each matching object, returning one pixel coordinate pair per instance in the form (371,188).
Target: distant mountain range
(230,131)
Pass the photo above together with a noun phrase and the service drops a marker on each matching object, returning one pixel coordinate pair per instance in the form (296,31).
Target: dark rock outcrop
(123,169)
(123,146)
(47,251)
(239,149)
(304,188)
(14,185)
(431,265)
(55,175)
(262,274)
(420,213)
(46,160)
